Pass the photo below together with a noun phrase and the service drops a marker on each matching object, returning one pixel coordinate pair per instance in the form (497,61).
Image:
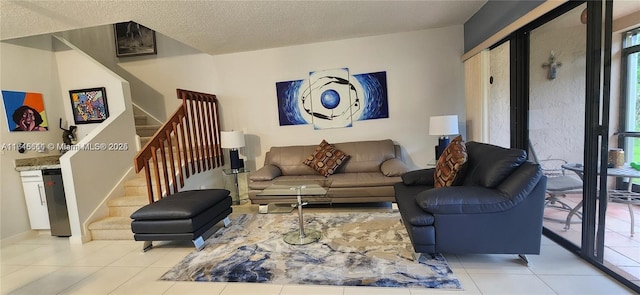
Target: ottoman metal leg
(147,246)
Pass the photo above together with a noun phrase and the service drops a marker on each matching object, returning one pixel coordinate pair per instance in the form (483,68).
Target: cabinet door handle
(40,194)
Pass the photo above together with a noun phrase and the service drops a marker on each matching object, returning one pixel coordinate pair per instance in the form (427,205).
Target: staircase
(117,226)
(186,144)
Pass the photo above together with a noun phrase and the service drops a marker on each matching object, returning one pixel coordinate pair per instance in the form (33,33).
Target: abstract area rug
(356,249)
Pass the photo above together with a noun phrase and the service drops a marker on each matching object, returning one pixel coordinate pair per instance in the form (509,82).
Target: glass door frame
(598,78)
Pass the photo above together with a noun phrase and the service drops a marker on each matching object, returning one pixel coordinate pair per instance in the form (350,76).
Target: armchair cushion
(489,165)
(475,199)
(451,164)
(419,177)
(325,159)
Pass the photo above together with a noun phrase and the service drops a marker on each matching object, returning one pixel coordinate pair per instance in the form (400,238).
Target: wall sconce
(443,126)
(233,140)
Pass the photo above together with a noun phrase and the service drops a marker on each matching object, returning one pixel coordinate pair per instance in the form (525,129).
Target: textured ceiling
(218,27)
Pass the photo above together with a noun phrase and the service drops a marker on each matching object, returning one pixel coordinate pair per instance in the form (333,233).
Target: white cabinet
(35,197)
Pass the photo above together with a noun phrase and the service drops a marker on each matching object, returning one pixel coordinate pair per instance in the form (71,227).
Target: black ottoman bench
(187,215)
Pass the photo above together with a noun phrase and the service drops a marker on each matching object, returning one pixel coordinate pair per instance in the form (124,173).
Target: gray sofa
(367,176)
(497,209)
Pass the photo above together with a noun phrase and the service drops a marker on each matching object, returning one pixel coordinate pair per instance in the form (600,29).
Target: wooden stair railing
(188,143)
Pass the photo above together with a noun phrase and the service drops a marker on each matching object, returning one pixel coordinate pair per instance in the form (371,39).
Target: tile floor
(50,265)
(622,250)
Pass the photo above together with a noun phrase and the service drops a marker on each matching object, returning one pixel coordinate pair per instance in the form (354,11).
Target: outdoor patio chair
(559,184)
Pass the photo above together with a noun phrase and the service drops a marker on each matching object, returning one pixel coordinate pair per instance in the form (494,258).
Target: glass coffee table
(301,192)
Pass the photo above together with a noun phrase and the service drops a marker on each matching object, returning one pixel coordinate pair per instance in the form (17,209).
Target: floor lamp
(443,126)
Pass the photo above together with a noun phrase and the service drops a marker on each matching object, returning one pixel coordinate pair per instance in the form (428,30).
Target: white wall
(424,74)
(90,175)
(40,64)
(153,78)
(25,65)
(425,77)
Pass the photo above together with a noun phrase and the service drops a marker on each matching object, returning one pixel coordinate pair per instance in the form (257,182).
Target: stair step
(147,130)
(140,119)
(112,234)
(129,201)
(112,228)
(111,223)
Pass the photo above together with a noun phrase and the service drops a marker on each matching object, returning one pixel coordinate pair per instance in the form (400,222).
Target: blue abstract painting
(333,99)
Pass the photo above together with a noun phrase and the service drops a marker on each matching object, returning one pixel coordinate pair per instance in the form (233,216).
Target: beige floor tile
(57,281)
(196,288)
(103,281)
(492,283)
(6,269)
(558,261)
(311,290)
(31,257)
(376,291)
(14,250)
(171,258)
(24,277)
(139,258)
(584,285)
(105,256)
(145,282)
(493,263)
(251,289)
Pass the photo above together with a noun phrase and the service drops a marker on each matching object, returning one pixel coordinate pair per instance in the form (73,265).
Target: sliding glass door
(572,107)
(557,79)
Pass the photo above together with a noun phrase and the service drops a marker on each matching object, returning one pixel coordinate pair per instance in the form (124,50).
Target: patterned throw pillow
(326,159)
(451,163)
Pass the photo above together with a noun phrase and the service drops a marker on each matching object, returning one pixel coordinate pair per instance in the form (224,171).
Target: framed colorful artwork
(333,99)
(25,111)
(134,39)
(89,105)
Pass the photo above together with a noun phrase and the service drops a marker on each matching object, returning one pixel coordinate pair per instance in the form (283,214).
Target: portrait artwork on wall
(134,39)
(333,99)
(89,105)
(25,111)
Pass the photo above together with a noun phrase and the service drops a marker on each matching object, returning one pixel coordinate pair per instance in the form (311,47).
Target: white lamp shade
(443,125)
(232,139)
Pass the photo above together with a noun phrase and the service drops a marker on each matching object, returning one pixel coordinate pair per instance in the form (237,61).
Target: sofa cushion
(451,163)
(267,172)
(488,165)
(366,156)
(181,205)
(393,167)
(326,159)
(340,180)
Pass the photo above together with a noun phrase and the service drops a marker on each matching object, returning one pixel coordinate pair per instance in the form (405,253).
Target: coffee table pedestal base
(309,236)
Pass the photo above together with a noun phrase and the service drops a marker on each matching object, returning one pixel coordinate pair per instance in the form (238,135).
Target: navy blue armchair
(496,209)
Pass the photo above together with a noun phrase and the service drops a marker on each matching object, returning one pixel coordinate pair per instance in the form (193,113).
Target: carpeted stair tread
(138,181)
(111,223)
(138,200)
(147,130)
(140,119)
(112,234)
